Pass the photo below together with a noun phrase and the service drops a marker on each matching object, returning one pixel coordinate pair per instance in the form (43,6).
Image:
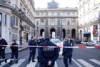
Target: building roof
(58,9)
(52,5)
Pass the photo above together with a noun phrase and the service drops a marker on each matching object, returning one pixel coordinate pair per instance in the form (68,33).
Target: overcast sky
(62,3)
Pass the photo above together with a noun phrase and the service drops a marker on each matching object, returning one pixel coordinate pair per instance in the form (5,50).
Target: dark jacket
(40,41)
(14,46)
(67,51)
(46,54)
(32,43)
(3,42)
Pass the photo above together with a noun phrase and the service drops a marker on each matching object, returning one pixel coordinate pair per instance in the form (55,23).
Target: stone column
(58,29)
(46,27)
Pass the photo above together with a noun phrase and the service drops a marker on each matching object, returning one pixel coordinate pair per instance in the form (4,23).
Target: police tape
(25,46)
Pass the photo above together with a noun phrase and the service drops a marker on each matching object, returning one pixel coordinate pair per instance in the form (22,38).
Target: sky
(62,3)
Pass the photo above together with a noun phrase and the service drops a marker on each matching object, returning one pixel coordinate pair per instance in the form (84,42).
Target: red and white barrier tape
(24,46)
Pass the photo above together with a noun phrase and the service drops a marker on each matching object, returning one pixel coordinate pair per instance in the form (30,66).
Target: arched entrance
(63,33)
(42,33)
(52,33)
(73,33)
(26,36)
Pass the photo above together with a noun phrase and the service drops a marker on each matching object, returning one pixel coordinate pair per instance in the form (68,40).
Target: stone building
(16,20)
(89,20)
(56,22)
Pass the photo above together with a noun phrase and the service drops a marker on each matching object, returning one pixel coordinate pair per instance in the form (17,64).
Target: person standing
(32,49)
(67,52)
(14,49)
(72,43)
(40,40)
(3,45)
(47,56)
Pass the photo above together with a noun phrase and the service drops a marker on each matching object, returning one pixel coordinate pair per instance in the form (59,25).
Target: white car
(88,43)
(84,42)
(97,43)
(58,42)
(91,43)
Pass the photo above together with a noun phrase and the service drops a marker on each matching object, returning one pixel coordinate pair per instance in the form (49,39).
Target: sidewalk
(8,50)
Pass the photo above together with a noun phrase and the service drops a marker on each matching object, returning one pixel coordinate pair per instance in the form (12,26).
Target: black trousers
(14,54)
(32,55)
(2,53)
(45,65)
(66,59)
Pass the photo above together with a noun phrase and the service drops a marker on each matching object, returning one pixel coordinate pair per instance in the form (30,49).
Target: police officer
(47,56)
(67,52)
(72,41)
(3,44)
(14,49)
(32,49)
(40,40)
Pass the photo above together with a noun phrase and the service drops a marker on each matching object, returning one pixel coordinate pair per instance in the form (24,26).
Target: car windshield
(55,40)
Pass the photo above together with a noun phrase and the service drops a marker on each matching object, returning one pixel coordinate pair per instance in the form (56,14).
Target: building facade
(17,20)
(56,22)
(89,20)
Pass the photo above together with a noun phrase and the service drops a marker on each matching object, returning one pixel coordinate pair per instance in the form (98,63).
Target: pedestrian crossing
(77,62)
(83,62)
(3,63)
(31,64)
(17,65)
(95,61)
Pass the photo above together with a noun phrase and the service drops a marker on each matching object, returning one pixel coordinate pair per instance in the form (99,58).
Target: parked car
(84,42)
(78,41)
(97,43)
(58,42)
(88,43)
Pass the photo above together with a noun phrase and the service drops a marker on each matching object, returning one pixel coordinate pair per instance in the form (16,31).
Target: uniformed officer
(32,49)
(47,56)
(14,49)
(40,40)
(67,52)
(72,43)
(3,44)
